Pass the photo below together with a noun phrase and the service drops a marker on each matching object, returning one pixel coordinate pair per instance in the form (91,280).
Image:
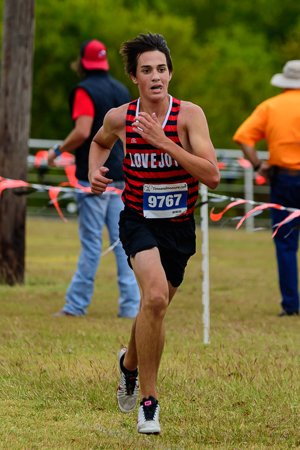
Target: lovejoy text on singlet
(156,186)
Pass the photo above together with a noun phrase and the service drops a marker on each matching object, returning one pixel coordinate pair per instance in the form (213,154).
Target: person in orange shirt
(278,121)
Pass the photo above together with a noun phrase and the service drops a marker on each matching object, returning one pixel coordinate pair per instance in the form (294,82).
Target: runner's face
(152,75)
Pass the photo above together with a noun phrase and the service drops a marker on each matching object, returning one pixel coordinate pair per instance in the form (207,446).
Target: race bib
(164,201)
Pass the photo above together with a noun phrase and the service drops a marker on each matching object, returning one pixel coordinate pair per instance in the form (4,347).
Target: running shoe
(128,391)
(148,416)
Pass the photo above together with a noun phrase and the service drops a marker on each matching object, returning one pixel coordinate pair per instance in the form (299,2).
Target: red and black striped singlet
(144,163)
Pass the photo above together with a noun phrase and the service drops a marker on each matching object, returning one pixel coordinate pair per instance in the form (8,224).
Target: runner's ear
(170,76)
(134,79)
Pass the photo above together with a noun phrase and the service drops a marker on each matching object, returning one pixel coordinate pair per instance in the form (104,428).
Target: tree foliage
(224,53)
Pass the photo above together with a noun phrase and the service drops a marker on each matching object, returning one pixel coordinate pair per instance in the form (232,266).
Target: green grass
(58,376)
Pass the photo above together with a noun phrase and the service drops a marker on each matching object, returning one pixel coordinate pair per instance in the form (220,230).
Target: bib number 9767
(159,201)
(164,201)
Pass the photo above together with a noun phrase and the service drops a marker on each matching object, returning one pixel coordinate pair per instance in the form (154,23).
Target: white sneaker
(128,391)
(148,416)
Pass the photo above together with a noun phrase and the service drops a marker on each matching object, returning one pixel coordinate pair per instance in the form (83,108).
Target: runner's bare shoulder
(191,117)
(189,109)
(115,120)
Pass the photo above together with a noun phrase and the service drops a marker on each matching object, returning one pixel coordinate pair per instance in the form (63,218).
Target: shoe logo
(148,403)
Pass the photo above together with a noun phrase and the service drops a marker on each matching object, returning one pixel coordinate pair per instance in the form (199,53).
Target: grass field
(59,375)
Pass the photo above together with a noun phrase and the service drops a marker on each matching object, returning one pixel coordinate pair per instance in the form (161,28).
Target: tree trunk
(15,104)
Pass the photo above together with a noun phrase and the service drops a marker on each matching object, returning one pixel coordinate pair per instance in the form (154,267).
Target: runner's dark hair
(132,49)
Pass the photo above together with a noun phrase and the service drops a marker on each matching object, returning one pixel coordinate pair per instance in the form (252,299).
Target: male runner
(167,152)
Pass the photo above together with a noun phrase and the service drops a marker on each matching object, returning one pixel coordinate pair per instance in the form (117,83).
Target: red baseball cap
(93,55)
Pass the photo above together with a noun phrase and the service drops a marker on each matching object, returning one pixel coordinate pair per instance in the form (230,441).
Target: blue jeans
(94,211)
(285,191)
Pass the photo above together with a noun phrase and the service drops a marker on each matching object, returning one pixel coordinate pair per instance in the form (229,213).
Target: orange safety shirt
(278,121)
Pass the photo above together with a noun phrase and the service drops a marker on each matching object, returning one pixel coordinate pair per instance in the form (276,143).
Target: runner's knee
(156,303)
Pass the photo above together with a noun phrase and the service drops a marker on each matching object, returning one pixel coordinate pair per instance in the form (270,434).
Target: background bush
(224,53)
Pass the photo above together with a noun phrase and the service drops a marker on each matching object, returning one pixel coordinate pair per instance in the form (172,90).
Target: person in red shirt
(278,121)
(89,101)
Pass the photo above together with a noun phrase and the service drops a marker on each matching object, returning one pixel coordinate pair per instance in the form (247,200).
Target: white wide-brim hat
(290,78)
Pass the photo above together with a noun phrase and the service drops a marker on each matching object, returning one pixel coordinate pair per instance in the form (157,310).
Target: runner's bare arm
(198,156)
(101,147)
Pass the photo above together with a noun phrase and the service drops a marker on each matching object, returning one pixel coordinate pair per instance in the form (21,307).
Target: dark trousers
(285,191)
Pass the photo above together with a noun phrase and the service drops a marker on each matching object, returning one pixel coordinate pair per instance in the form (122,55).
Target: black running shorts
(176,241)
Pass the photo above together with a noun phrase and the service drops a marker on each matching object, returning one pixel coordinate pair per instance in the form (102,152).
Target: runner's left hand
(149,128)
